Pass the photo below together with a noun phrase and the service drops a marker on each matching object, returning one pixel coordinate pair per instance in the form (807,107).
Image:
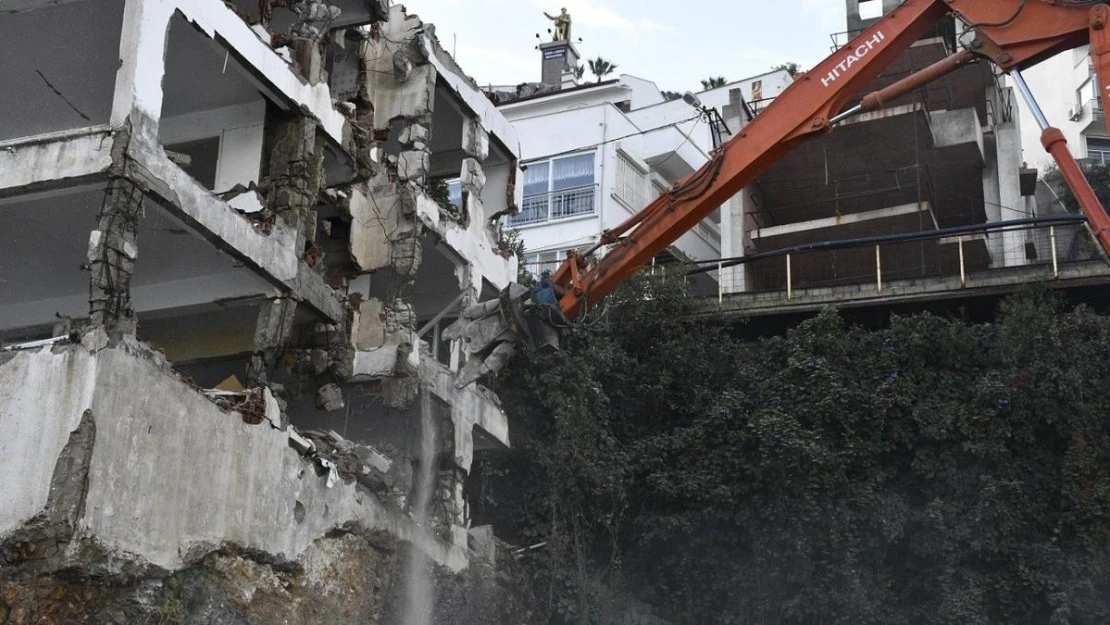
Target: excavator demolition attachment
(494,331)
(1011,34)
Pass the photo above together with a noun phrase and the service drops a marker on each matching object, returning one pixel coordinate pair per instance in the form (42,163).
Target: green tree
(791,68)
(713,82)
(601,68)
(1097,174)
(931,471)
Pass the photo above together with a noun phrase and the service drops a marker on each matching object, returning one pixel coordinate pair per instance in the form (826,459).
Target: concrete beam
(473,97)
(957,128)
(274,255)
(142,50)
(841,220)
(51,161)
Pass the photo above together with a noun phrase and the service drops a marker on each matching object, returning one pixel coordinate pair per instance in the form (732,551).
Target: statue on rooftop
(562,25)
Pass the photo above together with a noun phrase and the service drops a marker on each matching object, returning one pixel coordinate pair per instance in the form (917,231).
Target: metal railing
(876,264)
(556,205)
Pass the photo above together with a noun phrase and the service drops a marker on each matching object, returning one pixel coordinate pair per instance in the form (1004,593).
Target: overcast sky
(673,43)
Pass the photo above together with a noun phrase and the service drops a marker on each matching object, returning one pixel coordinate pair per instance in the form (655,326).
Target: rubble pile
(350,460)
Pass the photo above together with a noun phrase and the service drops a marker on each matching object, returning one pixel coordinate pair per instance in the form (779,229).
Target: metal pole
(963,268)
(720,283)
(1055,263)
(1027,95)
(789,279)
(879,268)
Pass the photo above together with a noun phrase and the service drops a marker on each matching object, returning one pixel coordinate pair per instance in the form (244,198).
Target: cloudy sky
(674,43)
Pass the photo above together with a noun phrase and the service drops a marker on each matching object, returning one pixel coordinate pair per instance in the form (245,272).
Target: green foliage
(440,193)
(671,95)
(791,68)
(1097,174)
(713,82)
(929,472)
(601,68)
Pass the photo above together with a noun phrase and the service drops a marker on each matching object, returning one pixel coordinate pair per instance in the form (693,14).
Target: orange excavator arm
(1012,33)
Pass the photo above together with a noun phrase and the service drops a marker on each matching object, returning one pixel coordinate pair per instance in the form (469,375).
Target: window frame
(548,204)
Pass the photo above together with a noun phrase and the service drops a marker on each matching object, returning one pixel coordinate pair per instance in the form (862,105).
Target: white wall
(562,124)
(1054,84)
(240,129)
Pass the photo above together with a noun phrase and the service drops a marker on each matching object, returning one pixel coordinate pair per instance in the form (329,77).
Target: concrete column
(111,259)
(271,336)
(992,201)
(1008,145)
(142,60)
(296,173)
(733,225)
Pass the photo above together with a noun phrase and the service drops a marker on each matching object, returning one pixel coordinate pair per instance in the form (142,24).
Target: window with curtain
(556,189)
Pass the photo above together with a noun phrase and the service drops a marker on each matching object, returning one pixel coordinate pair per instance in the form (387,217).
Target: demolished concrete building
(227,262)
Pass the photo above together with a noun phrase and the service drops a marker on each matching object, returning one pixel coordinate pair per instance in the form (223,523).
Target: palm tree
(713,82)
(601,68)
(579,71)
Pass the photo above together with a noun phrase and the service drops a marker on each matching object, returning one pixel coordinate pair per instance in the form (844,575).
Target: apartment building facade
(1068,91)
(594,154)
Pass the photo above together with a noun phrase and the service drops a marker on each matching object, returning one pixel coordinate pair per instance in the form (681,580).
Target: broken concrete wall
(172,477)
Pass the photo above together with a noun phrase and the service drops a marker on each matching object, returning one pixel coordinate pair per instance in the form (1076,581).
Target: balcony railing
(556,205)
(894,264)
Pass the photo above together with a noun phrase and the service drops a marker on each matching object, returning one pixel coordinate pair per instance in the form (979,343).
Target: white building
(597,153)
(1067,90)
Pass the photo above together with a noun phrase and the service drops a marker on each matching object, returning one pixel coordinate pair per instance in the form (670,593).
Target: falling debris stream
(419,589)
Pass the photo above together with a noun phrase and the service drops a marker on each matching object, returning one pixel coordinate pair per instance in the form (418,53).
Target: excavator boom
(1013,34)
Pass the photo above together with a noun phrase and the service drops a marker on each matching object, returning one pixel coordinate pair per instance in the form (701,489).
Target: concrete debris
(483,544)
(329,398)
(314,17)
(304,446)
(251,404)
(35,344)
(351,461)
(333,473)
(523,90)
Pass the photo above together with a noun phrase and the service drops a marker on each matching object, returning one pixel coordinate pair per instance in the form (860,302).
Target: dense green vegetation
(932,471)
